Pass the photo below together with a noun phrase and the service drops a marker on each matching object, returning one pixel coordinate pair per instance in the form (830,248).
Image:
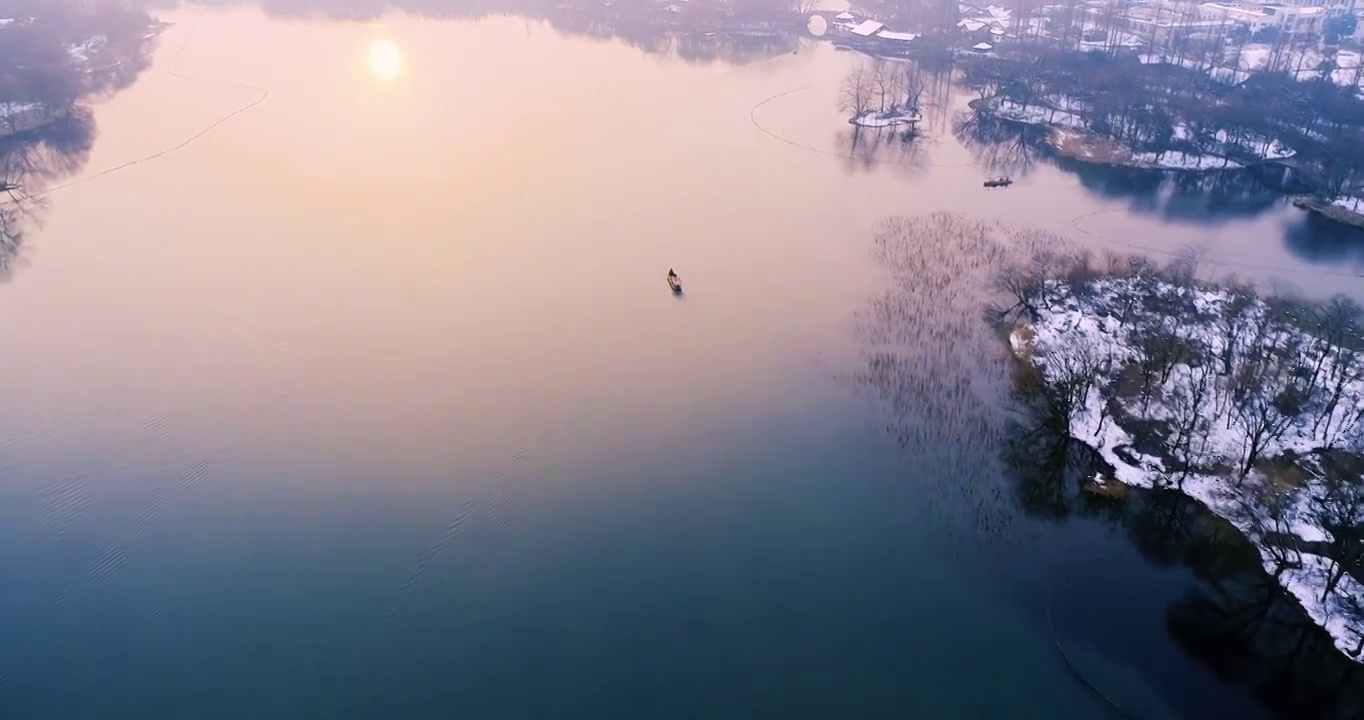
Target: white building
(1296,19)
(1331,8)
(867,28)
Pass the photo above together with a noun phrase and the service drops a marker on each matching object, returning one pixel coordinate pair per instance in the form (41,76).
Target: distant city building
(1297,19)
(1330,8)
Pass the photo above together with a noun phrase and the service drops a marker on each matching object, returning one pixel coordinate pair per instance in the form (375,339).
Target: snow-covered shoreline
(1091,327)
(1346,210)
(1070,135)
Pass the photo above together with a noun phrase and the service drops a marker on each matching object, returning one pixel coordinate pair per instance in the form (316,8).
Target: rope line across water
(1074,671)
(753,118)
(263,93)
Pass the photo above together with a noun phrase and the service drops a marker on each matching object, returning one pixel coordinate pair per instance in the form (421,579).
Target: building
(1330,8)
(1295,19)
(867,28)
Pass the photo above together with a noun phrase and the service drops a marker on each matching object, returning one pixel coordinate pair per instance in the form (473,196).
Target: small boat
(675,283)
(999,182)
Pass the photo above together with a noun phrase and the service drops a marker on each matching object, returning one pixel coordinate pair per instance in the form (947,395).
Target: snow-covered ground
(11,109)
(1182,161)
(1303,63)
(1086,146)
(885,118)
(1037,114)
(81,52)
(1072,123)
(1353,204)
(1074,329)
(1269,149)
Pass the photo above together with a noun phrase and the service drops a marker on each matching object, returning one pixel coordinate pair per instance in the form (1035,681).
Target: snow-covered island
(1252,406)
(882,94)
(886,118)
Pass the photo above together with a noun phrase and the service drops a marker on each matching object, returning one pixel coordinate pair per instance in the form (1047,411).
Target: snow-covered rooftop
(867,28)
(897,36)
(845,15)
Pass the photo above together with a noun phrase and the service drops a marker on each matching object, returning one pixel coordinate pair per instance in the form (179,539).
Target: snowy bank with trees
(1253,406)
(1122,111)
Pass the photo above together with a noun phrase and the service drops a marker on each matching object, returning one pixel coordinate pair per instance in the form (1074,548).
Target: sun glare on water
(385,60)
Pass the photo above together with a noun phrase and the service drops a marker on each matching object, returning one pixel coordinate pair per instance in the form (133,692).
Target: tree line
(876,85)
(1168,108)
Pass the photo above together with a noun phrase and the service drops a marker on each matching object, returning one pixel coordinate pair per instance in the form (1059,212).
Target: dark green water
(374,401)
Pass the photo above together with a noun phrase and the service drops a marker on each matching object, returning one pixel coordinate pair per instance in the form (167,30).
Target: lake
(373,399)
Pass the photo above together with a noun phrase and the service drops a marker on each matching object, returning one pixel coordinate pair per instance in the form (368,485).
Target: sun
(385,60)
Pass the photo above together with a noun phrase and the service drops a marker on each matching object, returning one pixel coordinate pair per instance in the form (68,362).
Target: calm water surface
(373,399)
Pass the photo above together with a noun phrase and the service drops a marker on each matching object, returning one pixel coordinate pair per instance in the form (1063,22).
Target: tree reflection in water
(901,148)
(897,148)
(46,127)
(1326,242)
(1195,197)
(1003,147)
(940,370)
(29,162)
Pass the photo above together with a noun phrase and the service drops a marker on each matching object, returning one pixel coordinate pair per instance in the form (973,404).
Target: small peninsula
(1251,405)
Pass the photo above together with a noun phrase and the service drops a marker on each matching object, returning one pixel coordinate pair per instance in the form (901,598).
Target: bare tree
(1022,283)
(1338,427)
(1267,506)
(1160,348)
(1074,371)
(884,82)
(1183,267)
(1192,421)
(856,92)
(911,84)
(1234,320)
(1339,509)
(1352,606)
(1265,412)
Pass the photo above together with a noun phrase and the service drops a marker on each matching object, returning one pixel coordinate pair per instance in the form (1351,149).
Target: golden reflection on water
(385,60)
